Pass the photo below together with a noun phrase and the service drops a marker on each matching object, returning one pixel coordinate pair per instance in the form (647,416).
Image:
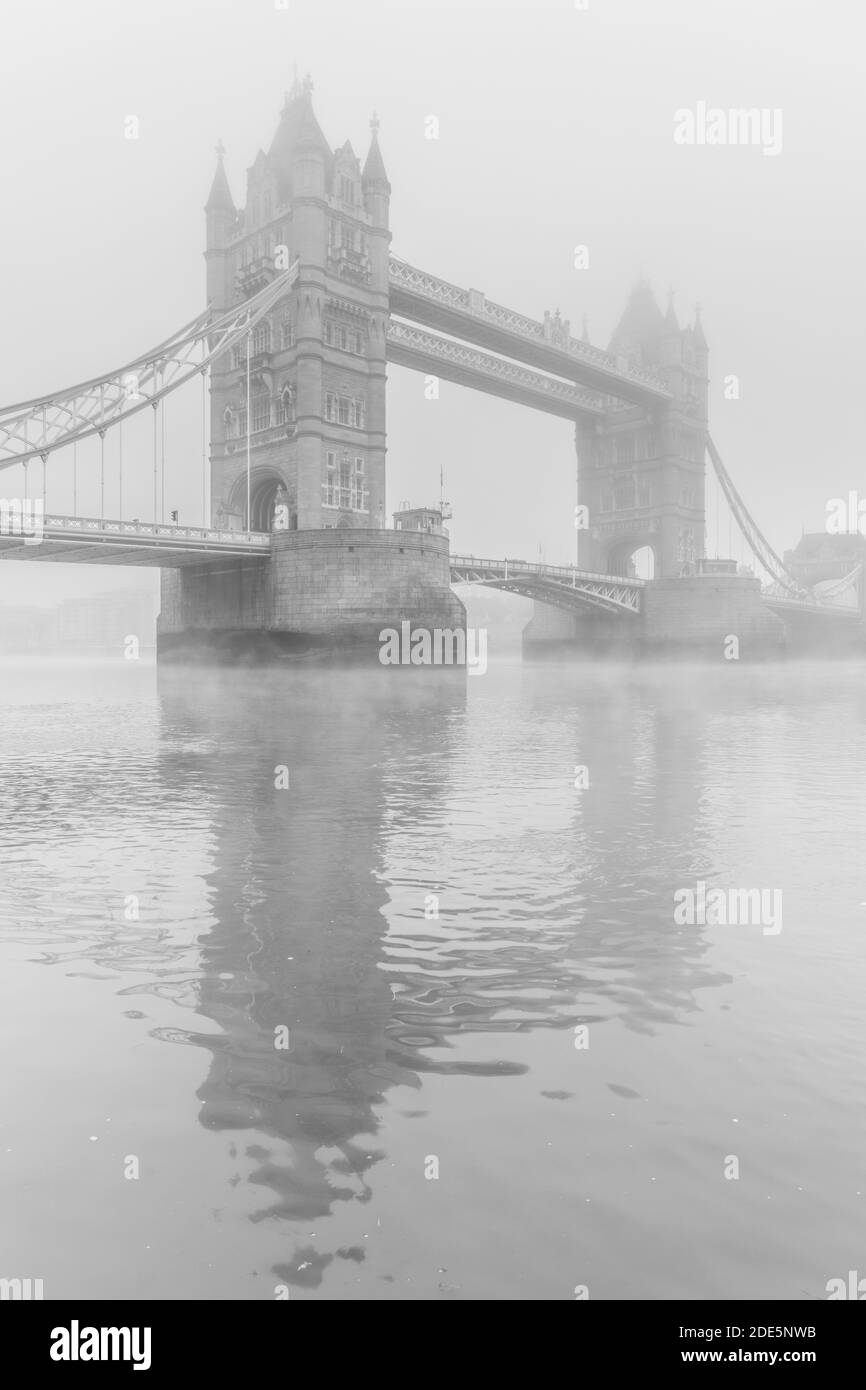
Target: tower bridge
(306,306)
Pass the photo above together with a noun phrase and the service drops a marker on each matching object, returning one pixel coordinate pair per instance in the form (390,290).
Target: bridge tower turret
(317,361)
(377,202)
(221,216)
(641,471)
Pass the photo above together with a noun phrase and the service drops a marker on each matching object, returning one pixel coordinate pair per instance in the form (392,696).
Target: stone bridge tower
(641,472)
(317,362)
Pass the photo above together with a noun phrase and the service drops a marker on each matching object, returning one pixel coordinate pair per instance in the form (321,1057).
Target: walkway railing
(476,304)
(460,355)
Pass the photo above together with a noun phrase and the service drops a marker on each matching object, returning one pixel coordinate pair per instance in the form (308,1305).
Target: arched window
(285,411)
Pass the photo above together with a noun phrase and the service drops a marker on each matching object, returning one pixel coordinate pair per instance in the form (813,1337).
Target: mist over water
(148,1028)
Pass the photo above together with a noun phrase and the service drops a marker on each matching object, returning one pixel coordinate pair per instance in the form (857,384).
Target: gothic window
(261,340)
(358,498)
(288,332)
(623,494)
(285,411)
(261,412)
(340,335)
(357,416)
(345,481)
(329,487)
(344,404)
(347,189)
(686,543)
(330,406)
(625,449)
(645,493)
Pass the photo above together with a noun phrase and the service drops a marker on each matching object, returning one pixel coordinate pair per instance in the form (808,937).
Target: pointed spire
(298,129)
(642,324)
(220,196)
(698,330)
(374,165)
(670,315)
(302,89)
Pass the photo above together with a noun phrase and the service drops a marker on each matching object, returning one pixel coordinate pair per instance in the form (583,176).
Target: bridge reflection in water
(549,916)
(415,1036)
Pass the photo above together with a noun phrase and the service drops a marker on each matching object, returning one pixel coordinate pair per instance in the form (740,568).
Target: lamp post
(249,425)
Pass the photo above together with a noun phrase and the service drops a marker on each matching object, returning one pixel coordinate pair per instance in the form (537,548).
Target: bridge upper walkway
(468,314)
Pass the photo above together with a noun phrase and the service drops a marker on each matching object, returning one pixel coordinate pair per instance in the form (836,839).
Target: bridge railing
(77,525)
(568,572)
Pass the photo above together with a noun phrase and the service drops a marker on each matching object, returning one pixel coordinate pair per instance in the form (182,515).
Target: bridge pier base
(679,618)
(555,633)
(322,592)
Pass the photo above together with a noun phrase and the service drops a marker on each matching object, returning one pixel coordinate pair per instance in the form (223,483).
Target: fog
(555,130)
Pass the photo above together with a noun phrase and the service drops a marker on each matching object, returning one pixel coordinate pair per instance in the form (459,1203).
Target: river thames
(337,986)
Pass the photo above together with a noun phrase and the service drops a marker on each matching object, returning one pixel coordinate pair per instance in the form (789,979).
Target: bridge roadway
(90,541)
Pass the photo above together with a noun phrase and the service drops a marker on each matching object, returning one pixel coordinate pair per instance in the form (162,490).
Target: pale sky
(556,129)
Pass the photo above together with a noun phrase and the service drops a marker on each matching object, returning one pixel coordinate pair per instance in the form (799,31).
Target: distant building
(26,629)
(99,622)
(820,555)
(106,620)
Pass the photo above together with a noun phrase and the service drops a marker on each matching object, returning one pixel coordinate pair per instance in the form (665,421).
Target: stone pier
(321,591)
(689,617)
